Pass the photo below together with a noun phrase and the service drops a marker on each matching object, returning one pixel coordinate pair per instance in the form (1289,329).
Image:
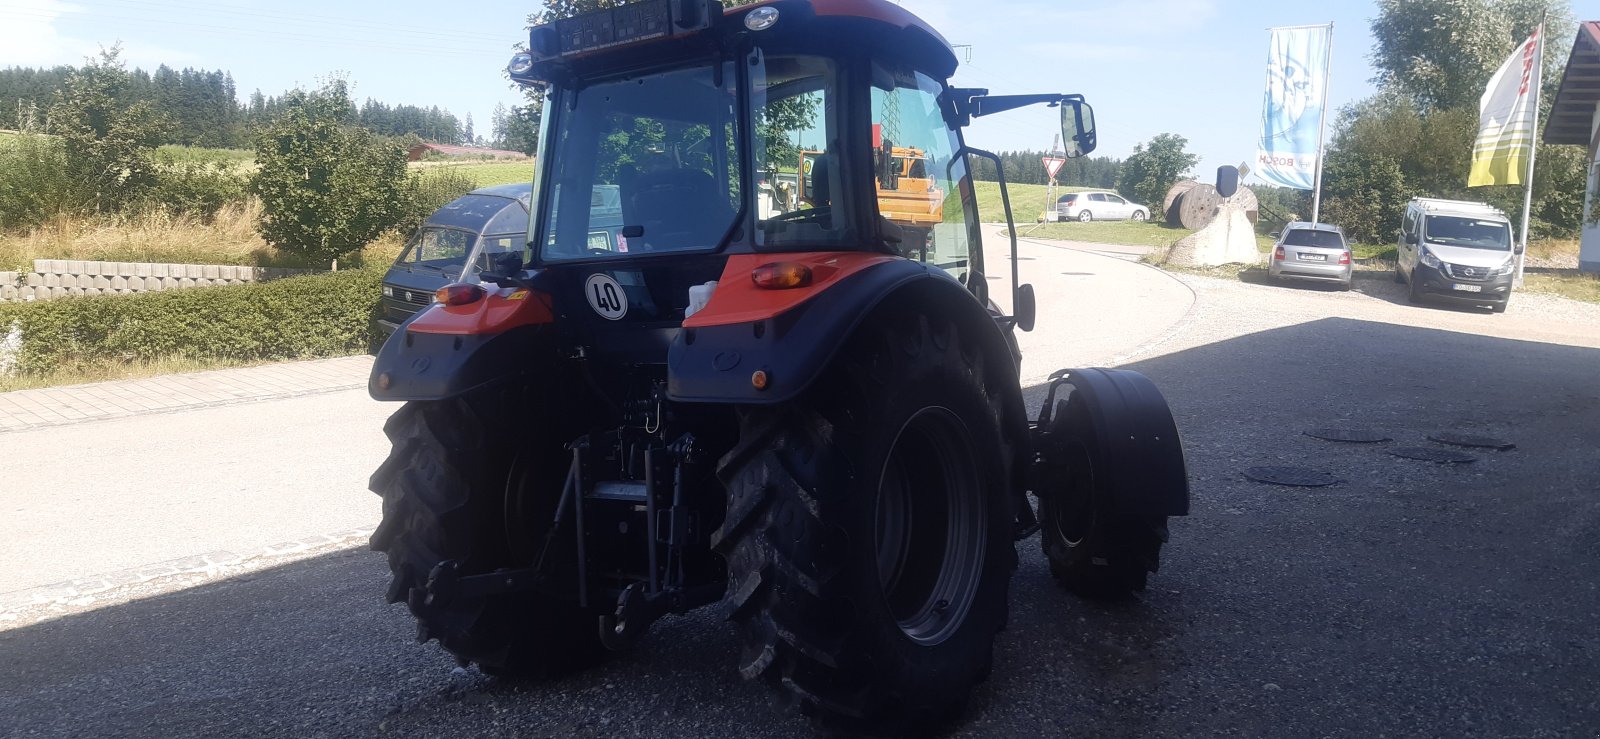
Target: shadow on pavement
(1410,599)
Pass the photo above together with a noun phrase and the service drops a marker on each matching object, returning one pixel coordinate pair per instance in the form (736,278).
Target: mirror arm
(1005,199)
(982,104)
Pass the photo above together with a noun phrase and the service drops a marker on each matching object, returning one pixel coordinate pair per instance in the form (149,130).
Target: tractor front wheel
(455,489)
(868,533)
(1111,470)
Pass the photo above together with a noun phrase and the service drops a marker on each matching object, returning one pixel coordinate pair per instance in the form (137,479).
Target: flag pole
(1322,127)
(1533,149)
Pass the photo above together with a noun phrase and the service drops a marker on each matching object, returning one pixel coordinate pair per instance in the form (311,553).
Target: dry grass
(229,238)
(1568,283)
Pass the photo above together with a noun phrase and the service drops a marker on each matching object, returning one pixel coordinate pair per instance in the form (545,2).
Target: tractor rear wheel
(455,489)
(869,531)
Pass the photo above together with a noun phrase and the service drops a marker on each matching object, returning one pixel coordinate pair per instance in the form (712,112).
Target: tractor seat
(677,208)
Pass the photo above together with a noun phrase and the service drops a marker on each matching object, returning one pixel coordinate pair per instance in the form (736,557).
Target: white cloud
(29,34)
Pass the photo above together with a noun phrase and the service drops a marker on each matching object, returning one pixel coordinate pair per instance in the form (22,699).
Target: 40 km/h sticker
(606,297)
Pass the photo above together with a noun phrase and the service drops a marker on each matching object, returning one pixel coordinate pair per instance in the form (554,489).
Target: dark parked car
(437,254)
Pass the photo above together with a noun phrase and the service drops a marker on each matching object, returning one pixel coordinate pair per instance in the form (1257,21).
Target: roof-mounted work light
(625,24)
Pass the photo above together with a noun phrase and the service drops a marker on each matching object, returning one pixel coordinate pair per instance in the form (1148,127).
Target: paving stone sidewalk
(55,406)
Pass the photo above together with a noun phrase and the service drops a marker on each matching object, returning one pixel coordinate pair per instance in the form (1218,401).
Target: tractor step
(620,491)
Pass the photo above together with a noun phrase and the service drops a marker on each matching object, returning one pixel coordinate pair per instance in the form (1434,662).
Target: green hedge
(295,318)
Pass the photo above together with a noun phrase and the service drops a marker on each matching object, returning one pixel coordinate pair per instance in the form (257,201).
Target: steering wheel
(801,216)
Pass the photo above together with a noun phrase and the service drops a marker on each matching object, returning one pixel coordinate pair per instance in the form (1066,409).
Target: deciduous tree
(1154,167)
(327,188)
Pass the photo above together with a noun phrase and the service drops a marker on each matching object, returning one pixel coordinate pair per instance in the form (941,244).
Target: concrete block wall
(55,278)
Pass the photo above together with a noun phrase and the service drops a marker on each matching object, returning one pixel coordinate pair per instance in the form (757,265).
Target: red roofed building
(418,151)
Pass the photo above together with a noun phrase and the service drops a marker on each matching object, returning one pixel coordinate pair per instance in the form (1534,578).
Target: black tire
(453,488)
(1399,278)
(1140,216)
(820,517)
(1085,216)
(1094,550)
(1413,291)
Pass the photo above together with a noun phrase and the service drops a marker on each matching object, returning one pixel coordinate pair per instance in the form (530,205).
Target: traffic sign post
(1052,165)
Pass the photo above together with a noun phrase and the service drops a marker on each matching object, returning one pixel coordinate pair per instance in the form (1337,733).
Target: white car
(1098,205)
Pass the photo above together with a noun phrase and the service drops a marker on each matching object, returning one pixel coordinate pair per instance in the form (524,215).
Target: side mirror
(508,263)
(1026,309)
(1411,238)
(1077,128)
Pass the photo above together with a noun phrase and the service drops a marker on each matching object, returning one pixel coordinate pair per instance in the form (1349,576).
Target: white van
(1457,250)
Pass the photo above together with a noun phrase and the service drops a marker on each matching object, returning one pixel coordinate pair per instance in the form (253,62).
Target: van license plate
(1313,257)
(1467,288)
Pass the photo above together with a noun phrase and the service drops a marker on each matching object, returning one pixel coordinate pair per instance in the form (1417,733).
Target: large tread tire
(1095,550)
(444,489)
(801,532)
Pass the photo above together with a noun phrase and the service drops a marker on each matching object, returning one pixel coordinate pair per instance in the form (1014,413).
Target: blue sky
(1191,67)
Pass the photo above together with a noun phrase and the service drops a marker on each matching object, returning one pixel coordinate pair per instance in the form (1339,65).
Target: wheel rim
(931,526)
(1084,216)
(1138,215)
(1072,514)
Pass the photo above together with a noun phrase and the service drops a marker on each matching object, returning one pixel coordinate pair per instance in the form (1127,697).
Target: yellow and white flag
(1507,117)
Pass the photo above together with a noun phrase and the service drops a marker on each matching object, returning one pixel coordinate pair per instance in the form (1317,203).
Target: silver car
(1311,251)
(1098,205)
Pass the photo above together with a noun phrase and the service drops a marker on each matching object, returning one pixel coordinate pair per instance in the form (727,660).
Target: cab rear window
(1313,237)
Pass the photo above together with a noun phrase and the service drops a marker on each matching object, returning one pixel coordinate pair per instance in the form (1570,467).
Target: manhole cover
(1299,477)
(1482,442)
(1429,454)
(1359,436)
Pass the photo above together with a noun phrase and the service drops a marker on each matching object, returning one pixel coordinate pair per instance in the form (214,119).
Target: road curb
(199,405)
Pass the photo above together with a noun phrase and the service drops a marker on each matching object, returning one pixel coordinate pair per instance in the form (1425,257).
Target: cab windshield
(659,155)
(1472,233)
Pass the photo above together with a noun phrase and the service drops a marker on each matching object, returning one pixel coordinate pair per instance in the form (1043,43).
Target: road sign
(1052,165)
(1244,169)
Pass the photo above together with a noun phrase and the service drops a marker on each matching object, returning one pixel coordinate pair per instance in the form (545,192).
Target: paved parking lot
(1410,599)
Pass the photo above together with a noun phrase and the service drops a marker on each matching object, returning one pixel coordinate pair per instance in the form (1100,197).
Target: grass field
(485,173)
(1028,202)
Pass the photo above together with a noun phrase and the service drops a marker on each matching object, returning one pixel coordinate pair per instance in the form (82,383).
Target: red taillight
(458,294)
(781,275)
(1344,258)
(1278,253)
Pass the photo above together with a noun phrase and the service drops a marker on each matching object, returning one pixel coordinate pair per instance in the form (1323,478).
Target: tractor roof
(882,11)
(639,35)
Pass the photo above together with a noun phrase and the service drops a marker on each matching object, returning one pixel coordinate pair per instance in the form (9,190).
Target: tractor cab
(781,127)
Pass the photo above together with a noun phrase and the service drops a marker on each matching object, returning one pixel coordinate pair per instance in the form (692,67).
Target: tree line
(1027,167)
(204,109)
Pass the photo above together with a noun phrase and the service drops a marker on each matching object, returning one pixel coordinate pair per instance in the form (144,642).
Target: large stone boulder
(1229,238)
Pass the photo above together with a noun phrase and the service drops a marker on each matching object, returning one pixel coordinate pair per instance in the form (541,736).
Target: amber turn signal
(781,275)
(458,294)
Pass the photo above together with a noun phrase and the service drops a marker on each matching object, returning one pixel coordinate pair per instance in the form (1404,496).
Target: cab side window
(925,200)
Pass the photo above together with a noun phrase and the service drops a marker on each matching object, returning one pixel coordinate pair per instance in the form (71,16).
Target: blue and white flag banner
(1291,119)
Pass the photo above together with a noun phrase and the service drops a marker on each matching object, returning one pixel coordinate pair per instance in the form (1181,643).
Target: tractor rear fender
(715,363)
(415,365)
(1131,438)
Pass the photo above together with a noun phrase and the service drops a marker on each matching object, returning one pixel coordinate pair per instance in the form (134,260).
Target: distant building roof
(1572,114)
(448,150)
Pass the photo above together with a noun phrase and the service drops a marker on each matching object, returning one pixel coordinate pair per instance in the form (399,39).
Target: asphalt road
(1411,599)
